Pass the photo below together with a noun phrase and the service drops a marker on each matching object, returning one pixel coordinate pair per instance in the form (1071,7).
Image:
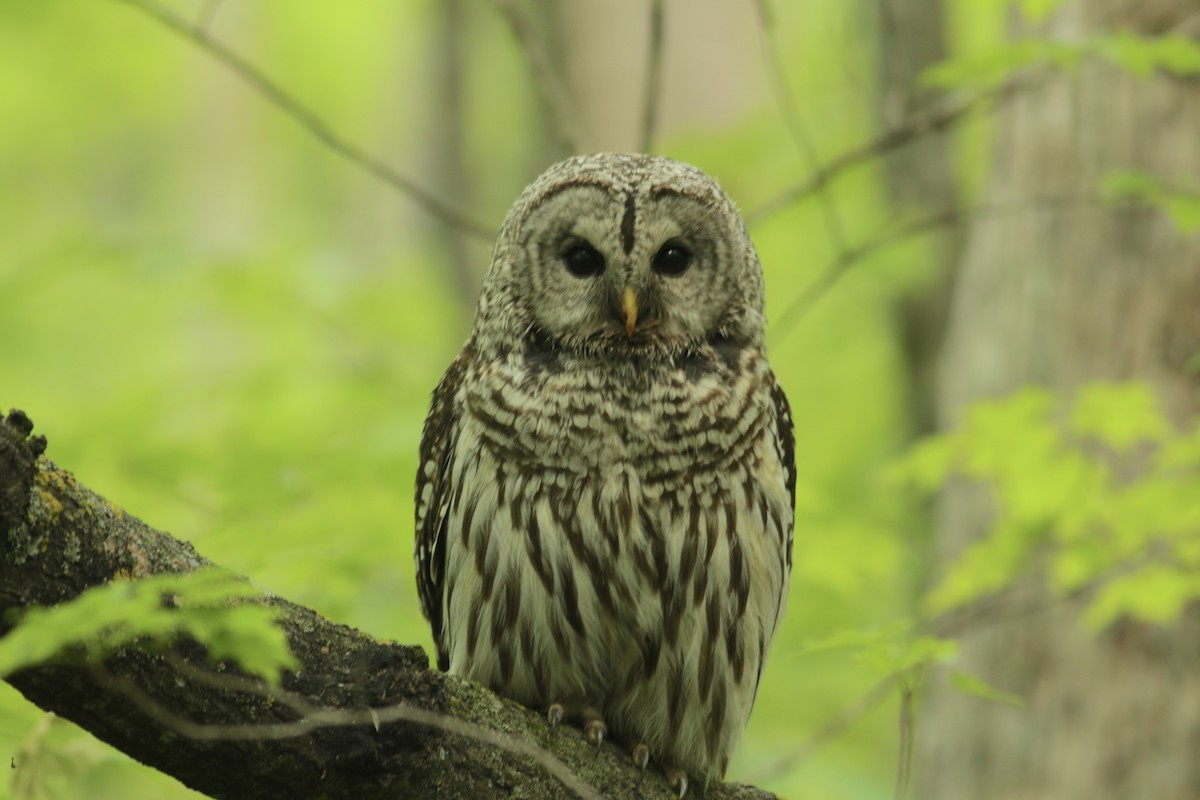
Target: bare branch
(552,87)
(905,749)
(207,13)
(914,126)
(839,722)
(917,226)
(650,98)
(795,126)
(817,289)
(310,121)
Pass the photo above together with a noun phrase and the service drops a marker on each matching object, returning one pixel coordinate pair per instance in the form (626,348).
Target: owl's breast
(599,418)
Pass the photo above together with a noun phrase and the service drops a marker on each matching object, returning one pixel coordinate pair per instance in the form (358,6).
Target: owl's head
(622,255)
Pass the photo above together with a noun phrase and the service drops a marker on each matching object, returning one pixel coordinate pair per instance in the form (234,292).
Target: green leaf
(1139,55)
(1184,211)
(1130,185)
(215,607)
(997,65)
(1182,206)
(888,658)
(887,649)
(1155,505)
(1143,55)
(985,566)
(858,638)
(1005,436)
(1119,414)
(1155,593)
(1181,452)
(972,685)
(1082,561)
(927,464)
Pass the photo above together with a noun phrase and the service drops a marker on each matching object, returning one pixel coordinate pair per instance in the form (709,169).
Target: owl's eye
(672,259)
(583,260)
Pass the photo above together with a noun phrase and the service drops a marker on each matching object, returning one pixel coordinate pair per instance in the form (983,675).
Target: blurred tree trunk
(546,144)
(1060,296)
(920,178)
(449,149)
(697,89)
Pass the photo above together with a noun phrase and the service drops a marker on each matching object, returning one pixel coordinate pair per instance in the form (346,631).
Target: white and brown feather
(610,523)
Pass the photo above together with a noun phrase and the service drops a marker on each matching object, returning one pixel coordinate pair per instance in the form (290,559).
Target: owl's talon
(554,715)
(596,730)
(677,780)
(641,755)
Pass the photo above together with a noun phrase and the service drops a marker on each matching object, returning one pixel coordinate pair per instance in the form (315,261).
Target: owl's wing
(785,444)
(433,496)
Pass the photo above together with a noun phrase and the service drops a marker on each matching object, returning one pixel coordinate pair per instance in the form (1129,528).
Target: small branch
(650,98)
(849,257)
(547,79)
(309,120)
(448,128)
(904,756)
(911,128)
(207,12)
(843,719)
(795,126)
(917,226)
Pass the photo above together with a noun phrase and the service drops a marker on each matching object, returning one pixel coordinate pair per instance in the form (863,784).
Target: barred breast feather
(618,534)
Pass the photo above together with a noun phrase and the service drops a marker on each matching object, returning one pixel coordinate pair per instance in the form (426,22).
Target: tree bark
(1058,297)
(920,178)
(57,539)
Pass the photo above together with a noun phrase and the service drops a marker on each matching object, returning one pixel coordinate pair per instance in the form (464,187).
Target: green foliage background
(223,352)
(232,333)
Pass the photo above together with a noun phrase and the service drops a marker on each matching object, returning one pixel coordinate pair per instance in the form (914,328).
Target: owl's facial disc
(631,268)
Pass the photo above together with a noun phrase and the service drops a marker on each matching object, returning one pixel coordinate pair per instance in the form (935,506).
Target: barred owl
(607,480)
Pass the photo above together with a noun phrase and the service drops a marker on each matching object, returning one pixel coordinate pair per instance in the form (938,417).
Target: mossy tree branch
(430,734)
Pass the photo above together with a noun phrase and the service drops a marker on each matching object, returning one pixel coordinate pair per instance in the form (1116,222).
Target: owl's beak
(630,307)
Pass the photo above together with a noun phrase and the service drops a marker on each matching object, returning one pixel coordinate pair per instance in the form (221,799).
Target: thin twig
(449,126)
(912,127)
(309,120)
(653,77)
(313,718)
(553,89)
(1021,601)
(205,17)
(905,754)
(843,719)
(914,227)
(821,285)
(795,126)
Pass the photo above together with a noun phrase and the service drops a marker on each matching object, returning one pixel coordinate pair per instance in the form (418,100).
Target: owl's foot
(554,715)
(676,780)
(590,718)
(676,777)
(641,755)
(594,728)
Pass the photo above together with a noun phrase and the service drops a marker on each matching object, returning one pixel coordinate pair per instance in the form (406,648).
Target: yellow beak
(630,308)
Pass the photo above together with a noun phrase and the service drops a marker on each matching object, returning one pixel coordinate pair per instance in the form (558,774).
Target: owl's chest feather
(620,539)
(599,419)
